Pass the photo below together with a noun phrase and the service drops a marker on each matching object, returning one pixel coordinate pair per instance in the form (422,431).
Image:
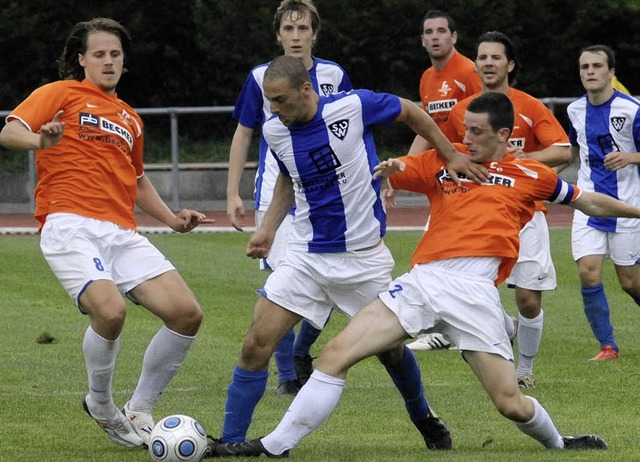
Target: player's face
(595,73)
(286,102)
(482,141)
(103,61)
(437,39)
(297,36)
(492,65)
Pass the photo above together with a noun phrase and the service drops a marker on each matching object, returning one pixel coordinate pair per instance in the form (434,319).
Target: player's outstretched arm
(601,205)
(16,136)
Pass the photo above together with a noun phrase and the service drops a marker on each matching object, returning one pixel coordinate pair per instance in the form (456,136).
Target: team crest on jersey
(444,88)
(340,129)
(618,122)
(327,88)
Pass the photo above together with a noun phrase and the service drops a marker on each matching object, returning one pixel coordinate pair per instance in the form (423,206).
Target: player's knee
(257,349)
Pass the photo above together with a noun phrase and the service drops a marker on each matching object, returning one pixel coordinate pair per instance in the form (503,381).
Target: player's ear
(503,134)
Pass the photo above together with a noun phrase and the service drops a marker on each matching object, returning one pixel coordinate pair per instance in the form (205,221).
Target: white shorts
(81,250)
(622,248)
(534,269)
(461,306)
(312,284)
(280,242)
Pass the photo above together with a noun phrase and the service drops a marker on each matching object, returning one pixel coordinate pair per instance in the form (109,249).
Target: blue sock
(245,390)
(407,379)
(596,308)
(284,358)
(306,337)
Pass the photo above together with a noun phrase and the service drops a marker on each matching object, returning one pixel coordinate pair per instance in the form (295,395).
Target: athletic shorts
(534,269)
(622,248)
(81,250)
(312,284)
(280,242)
(461,306)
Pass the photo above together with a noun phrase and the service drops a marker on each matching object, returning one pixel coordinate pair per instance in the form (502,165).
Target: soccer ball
(177,438)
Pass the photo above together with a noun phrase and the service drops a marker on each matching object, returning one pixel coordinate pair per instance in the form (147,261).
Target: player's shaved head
(290,68)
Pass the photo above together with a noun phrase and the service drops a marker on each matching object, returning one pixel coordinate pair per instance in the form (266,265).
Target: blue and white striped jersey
(597,131)
(330,160)
(252,109)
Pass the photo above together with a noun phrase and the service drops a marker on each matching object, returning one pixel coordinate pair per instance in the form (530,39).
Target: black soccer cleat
(253,448)
(584,442)
(288,388)
(304,367)
(436,434)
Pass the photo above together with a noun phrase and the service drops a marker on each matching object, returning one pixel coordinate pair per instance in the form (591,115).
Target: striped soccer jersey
(479,220)
(597,131)
(252,109)
(330,160)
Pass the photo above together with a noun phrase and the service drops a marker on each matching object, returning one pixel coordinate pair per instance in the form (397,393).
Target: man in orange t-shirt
(90,171)
(537,134)
(470,247)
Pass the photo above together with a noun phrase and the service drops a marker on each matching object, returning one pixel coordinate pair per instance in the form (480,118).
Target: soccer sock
(529,337)
(100,359)
(407,379)
(284,358)
(313,405)
(596,308)
(541,427)
(306,337)
(161,361)
(245,390)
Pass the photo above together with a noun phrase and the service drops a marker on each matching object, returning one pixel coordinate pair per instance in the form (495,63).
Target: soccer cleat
(142,422)
(119,429)
(253,448)
(526,381)
(288,388)
(435,433)
(584,442)
(606,353)
(304,368)
(433,341)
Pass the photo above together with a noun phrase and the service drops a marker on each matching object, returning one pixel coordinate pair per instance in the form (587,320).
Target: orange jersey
(535,127)
(93,171)
(479,220)
(441,90)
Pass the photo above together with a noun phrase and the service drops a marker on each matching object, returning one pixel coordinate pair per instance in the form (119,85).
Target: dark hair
(290,68)
(68,65)
(438,14)
(302,7)
(607,50)
(509,49)
(498,106)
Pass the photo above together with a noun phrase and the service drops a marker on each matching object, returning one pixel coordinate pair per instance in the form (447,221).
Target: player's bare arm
(16,136)
(237,160)
(552,156)
(617,160)
(152,204)
(601,205)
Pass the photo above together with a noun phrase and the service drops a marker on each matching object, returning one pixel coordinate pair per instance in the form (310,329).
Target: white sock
(529,337)
(541,427)
(161,362)
(313,405)
(100,359)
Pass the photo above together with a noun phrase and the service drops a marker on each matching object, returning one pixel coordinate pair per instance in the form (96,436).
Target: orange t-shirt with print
(535,127)
(441,90)
(93,171)
(479,220)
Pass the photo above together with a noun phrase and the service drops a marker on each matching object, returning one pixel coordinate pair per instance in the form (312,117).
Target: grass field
(42,385)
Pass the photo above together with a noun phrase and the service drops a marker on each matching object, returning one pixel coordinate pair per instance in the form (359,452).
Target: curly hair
(68,65)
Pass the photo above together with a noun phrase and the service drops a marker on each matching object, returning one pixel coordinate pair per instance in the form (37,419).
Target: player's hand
(388,194)
(515,150)
(235,212)
(187,219)
(461,163)
(51,132)
(260,244)
(615,161)
(388,167)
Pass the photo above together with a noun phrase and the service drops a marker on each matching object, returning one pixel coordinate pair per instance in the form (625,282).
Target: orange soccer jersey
(535,127)
(479,220)
(441,90)
(93,170)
